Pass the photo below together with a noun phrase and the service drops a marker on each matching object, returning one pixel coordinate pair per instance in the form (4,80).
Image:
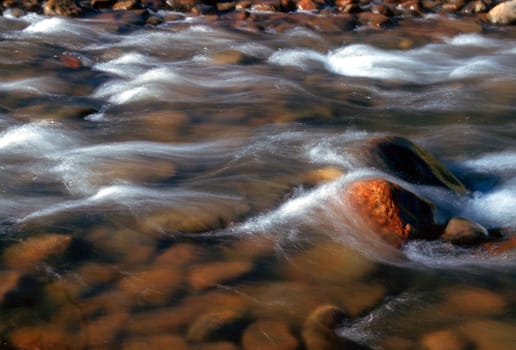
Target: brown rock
(490,334)
(214,273)
(464,232)
(43,338)
(224,6)
(453,5)
(401,157)
(162,341)
(269,334)
(153,287)
(161,321)
(504,13)
(317,176)
(9,282)
(328,262)
(221,345)
(307,5)
(71,60)
(105,329)
(393,212)
(216,325)
(181,255)
(373,19)
(444,340)
(319,329)
(61,8)
(36,250)
(502,247)
(469,301)
(475,6)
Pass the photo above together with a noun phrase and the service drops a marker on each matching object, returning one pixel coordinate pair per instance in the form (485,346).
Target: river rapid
(194,169)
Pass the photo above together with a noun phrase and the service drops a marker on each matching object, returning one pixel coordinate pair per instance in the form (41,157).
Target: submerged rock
(393,212)
(216,325)
(269,334)
(36,250)
(444,339)
(461,231)
(504,13)
(319,330)
(210,275)
(402,158)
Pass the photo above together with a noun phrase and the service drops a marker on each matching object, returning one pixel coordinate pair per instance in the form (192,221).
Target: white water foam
(34,139)
(432,63)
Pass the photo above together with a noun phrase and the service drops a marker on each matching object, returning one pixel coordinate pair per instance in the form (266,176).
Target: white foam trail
(301,58)
(129,65)
(40,138)
(493,162)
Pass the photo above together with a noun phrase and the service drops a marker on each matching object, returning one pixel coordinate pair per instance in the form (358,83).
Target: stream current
(170,150)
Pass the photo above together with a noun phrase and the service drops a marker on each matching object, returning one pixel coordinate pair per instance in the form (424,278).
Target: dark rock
(476,6)
(102,4)
(269,334)
(504,13)
(402,158)
(393,212)
(61,8)
(461,231)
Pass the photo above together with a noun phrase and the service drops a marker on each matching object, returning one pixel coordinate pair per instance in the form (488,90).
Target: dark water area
(177,186)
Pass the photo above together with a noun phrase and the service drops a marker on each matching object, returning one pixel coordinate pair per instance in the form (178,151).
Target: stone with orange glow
(391,211)
(269,334)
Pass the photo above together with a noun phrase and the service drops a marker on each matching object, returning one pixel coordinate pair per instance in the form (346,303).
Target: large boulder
(504,13)
(402,158)
(392,211)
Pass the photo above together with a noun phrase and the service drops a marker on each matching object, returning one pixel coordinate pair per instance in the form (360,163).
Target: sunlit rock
(402,158)
(61,8)
(319,329)
(391,211)
(321,175)
(36,250)
(502,247)
(214,273)
(462,231)
(444,339)
(162,341)
(269,334)
(216,325)
(504,13)
(126,5)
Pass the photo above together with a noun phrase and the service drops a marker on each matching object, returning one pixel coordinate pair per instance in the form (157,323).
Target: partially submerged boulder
(402,158)
(462,231)
(392,211)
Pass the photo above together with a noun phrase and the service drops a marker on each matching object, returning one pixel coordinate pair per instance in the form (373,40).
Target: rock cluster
(358,12)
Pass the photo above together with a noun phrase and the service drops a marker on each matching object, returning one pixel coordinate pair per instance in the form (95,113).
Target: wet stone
(375,20)
(469,301)
(214,273)
(216,325)
(181,255)
(36,250)
(392,212)
(266,5)
(220,345)
(127,5)
(326,174)
(164,341)
(155,286)
(490,334)
(444,340)
(43,337)
(9,280)
(461,231)
(503,13)
(105,329)
(269,334)
(319,329)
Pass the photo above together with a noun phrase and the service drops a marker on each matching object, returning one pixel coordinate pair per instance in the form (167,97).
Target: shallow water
(180,160)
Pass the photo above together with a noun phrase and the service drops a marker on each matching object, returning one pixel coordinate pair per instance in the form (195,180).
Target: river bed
(156,181)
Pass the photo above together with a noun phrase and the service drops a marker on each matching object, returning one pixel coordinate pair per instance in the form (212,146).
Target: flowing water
(184,163)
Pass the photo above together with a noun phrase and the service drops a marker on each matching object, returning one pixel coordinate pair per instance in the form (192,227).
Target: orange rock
(162,341)
(269,334)
(70,60)
(35,250)
(444,340)
(180,255)
(393,212)
(43,338)
(497,248)
(503,13)
(216,325)
(468,301)
(61,8)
